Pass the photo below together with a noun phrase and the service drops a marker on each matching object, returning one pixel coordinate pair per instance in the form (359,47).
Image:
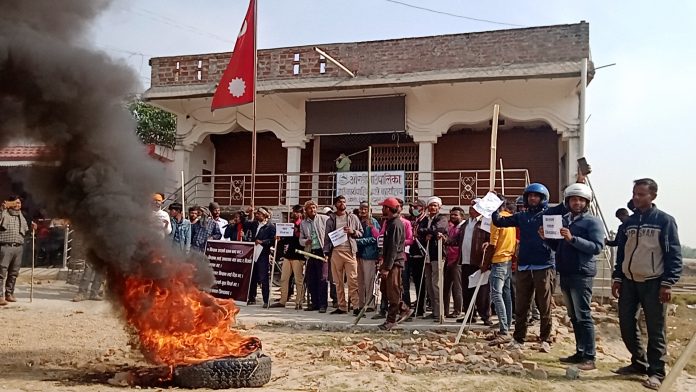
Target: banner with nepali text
(232,263)
(353,185)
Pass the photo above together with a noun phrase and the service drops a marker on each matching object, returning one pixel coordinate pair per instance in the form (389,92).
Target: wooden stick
(470,309)
(275,252)
(494,145)
(440,280)
(183,194)
(369,183)
(33,255)
(502,177)
(679,365)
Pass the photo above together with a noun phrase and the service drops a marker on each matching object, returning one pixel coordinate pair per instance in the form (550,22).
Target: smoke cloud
(56,91)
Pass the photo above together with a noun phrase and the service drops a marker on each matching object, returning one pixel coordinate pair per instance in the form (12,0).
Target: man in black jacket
(648,264)
(262,233)
(392,264)
(430,229)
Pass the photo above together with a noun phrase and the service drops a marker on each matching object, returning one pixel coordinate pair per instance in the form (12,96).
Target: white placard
(285,229)
(488,205)
(338,236)
(353,186)
(257,251)
(486,224)
(474,278)
(552,226)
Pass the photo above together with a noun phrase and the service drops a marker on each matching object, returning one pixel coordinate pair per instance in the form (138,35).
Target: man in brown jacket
(470,240)
(392,264)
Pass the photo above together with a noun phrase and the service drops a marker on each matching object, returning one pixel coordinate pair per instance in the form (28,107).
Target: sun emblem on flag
(237,87)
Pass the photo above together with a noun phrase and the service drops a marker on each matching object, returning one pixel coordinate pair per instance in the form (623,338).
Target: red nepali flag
(236,86)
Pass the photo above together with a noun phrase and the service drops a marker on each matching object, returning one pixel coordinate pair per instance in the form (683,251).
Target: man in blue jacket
(368,253)
(583,239)
(535,270)
(648,264)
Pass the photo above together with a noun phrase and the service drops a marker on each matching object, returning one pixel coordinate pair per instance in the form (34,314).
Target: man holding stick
(392,264)
(312,233)
(430,229)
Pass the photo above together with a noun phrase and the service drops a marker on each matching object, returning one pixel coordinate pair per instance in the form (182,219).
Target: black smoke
(57,91)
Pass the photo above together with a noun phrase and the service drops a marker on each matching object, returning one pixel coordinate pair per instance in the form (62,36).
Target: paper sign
(552,226)
(476,276)
(257,251)
(285,229)
(488,205)
(380,242)
(486,224)
(338,237)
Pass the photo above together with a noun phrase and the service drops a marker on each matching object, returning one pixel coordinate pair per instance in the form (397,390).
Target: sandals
(652,383)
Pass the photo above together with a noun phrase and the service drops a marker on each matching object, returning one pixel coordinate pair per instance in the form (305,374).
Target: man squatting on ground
(392,263)
(648,264)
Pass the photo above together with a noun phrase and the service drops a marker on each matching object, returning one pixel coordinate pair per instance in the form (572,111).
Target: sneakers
(3,302)
(586,365)
(79,297)
(338,311)
(515,345)
(251,302)
(311,308)
(575,358)
(545,347)
(10,298)
(631,369)
(266,305)
(277,305)
(322,309)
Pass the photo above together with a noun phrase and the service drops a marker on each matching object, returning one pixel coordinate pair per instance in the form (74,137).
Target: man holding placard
(581,239)
(342,229)
(293,263)
(535,271)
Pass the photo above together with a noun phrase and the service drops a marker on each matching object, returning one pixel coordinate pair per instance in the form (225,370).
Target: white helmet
(578,189)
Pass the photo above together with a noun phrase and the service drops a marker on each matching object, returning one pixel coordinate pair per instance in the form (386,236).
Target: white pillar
(182,162)
(316,156)
(573,153)
(293,181)
(425,168)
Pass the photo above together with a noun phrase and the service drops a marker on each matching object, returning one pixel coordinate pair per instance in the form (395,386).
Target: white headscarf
(436,200)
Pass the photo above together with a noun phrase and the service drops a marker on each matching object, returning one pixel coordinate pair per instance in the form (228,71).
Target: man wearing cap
(312,234)
(214,209)
(430,229)
(161,217)
(368,253)
(471,238)
(392,263)
(262,233)
(342,256)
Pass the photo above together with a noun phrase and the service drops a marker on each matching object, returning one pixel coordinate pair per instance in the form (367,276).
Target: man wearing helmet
(583,239)
(535,270)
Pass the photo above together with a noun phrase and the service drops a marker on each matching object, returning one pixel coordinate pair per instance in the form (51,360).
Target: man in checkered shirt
(13,230)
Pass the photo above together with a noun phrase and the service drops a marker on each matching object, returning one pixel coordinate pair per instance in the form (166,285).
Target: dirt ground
(52,344)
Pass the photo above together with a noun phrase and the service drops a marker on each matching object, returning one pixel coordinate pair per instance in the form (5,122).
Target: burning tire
(251,371)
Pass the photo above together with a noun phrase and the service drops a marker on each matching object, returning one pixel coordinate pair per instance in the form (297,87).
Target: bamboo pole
(253,131)
(183,194)
(369,183)
(440,280)
(679,365)
(470,309)
(494,145)
(33,260)
(502,177)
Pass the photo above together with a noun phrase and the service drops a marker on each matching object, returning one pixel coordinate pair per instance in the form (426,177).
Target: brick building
(424,104)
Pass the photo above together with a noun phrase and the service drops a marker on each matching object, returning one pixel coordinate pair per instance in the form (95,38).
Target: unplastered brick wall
(398,56)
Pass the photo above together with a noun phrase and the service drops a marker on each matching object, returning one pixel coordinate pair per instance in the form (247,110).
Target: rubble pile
(429,352)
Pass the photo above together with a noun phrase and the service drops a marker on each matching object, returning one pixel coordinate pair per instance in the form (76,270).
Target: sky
(635,108)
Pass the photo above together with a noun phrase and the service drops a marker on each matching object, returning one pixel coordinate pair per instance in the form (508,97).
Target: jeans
(645,294)
(501,295)
(577,294)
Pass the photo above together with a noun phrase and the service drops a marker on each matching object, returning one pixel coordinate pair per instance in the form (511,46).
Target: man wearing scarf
(430,229)
(13,230)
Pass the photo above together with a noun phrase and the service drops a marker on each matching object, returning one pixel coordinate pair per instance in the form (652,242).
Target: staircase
(605,261)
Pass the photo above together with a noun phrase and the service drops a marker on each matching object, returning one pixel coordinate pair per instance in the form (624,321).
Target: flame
(179,324)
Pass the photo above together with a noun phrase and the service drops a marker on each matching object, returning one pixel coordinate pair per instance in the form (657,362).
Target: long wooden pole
(369,183)
(494,145)
(679,365)
(502,177)
(33,259)
(183,194)
(253,131)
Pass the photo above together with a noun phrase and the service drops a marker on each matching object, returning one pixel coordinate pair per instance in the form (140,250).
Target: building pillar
(425,169)
(292,186)
(316,157)
(182,162)
(573,153)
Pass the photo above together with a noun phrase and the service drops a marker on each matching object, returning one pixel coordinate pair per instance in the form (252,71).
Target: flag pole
(253,131)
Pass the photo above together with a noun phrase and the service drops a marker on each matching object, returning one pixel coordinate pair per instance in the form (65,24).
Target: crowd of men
(425,246)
